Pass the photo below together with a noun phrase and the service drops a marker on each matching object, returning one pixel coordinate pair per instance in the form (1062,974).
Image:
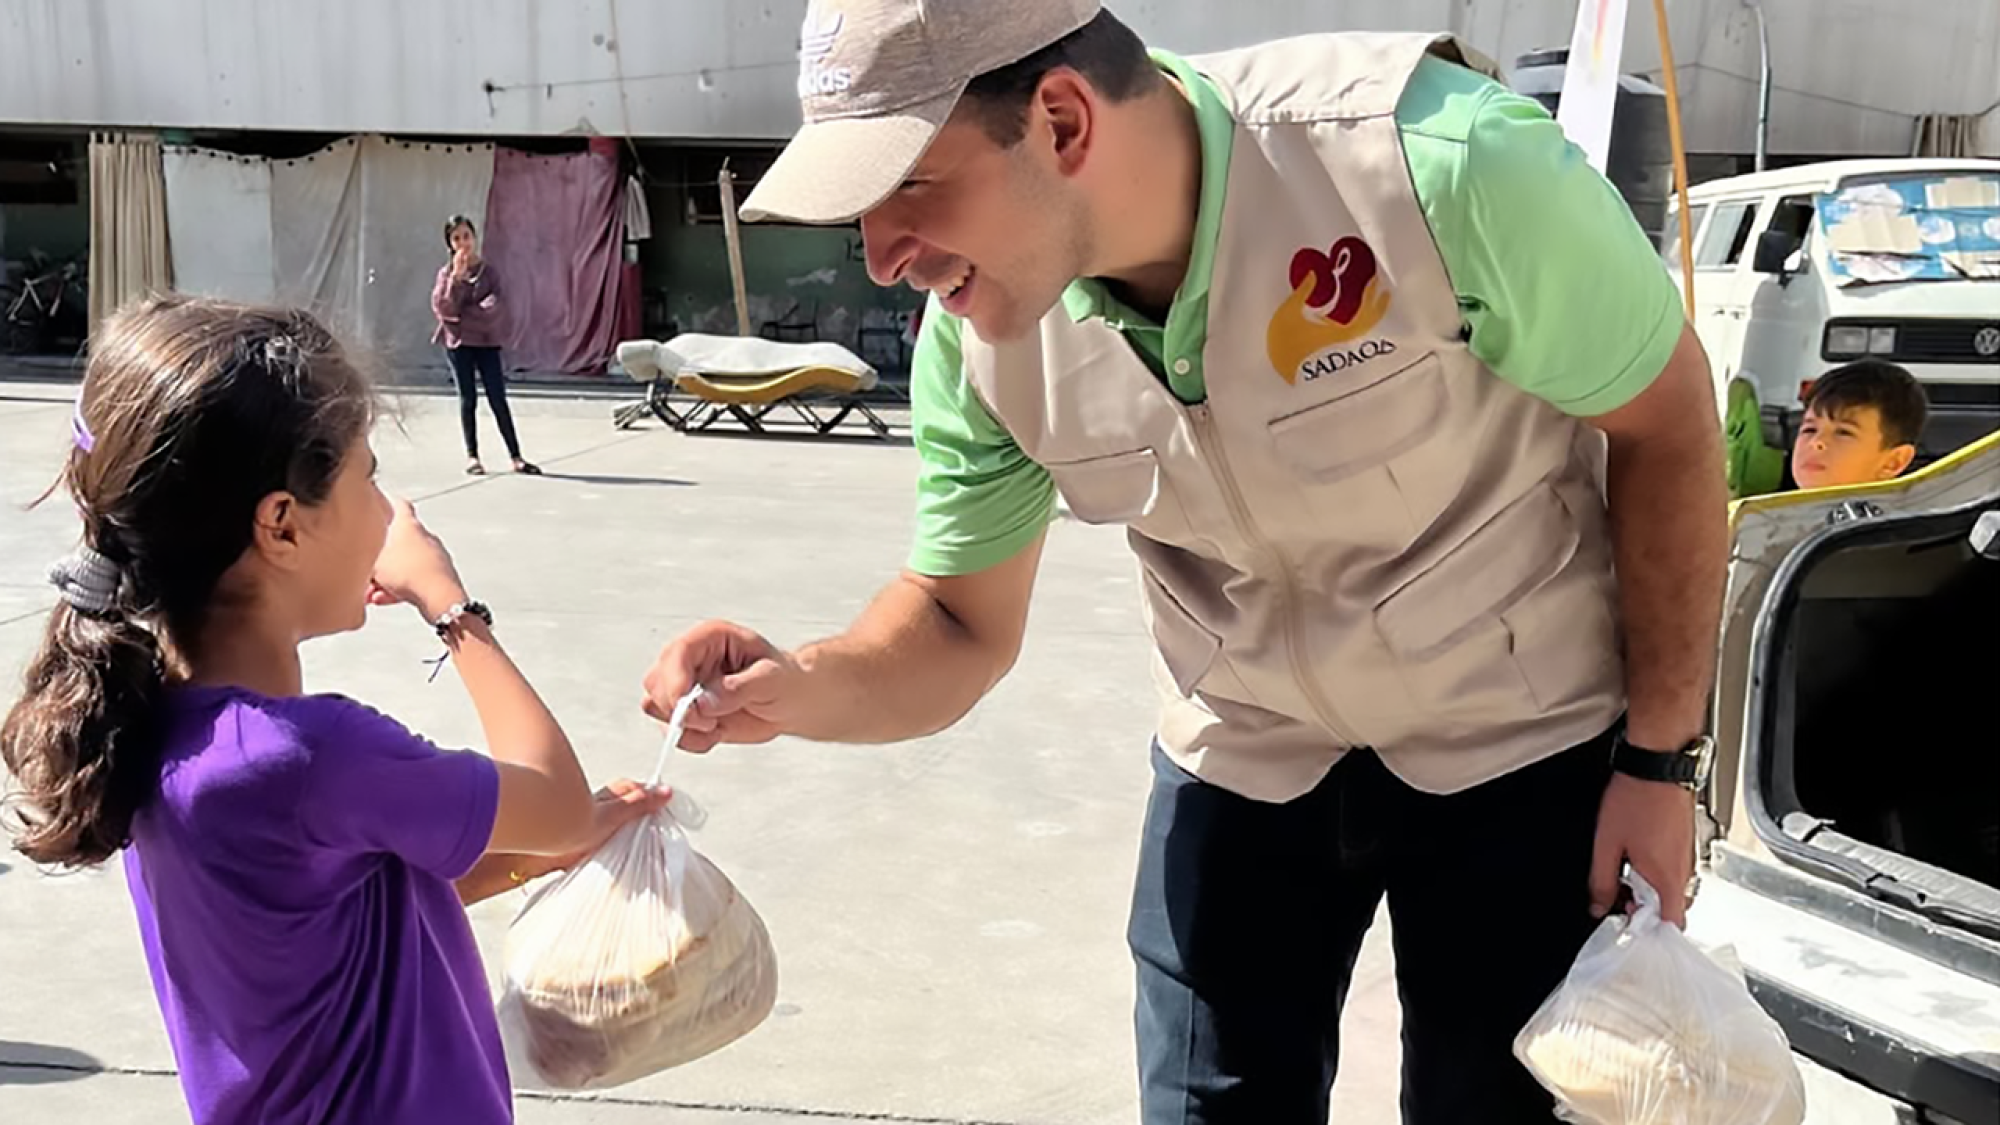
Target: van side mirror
(1774,249)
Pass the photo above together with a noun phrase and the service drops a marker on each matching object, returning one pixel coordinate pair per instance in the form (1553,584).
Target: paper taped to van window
(1962,191)
(1913,228)
(1876,230)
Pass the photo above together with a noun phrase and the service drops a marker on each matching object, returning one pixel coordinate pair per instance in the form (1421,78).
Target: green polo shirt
(1564,295)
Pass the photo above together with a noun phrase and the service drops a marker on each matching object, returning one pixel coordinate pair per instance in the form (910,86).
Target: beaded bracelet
(449,620)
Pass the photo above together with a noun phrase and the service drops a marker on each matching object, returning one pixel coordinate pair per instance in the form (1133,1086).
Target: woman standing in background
(466,300)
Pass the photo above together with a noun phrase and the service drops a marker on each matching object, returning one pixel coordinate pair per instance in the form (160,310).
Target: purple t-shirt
(293,880)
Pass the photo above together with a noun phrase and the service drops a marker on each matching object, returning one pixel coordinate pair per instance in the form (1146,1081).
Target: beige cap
(877,79)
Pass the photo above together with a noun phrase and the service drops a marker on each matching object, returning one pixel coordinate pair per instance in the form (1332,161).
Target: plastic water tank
(1642,156)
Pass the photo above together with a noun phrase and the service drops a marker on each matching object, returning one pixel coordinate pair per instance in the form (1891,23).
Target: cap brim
(838,169)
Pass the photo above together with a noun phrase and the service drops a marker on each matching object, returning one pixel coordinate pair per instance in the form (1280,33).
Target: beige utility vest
(1363,537)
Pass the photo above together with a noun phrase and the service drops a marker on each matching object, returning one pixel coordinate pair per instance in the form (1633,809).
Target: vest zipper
(1205,436)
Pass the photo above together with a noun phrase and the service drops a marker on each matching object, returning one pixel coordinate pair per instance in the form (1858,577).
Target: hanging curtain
(556,236)
(358,236)
(219,224)
(352,233)
(1946,135)
(316,235)
(128,222)
(409,190)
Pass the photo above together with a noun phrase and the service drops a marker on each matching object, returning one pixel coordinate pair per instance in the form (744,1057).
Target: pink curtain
(555,231)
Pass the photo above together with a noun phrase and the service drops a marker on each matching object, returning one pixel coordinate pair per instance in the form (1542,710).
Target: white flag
(1590,84)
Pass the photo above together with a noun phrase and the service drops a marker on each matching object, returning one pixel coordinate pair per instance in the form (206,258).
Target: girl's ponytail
(81,743)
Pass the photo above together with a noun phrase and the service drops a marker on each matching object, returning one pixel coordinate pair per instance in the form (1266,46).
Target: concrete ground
(948,914)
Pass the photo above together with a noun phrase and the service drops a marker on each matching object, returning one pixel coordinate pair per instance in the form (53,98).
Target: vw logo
(1987,342)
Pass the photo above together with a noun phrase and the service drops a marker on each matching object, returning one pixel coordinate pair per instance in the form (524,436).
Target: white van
(1801,270)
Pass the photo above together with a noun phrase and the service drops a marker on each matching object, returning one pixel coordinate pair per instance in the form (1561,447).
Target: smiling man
(1417,454)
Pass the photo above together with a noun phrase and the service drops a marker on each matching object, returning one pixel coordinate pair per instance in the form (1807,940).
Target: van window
(1945,227)
(1670,238)
(1794,217)
(1728,233)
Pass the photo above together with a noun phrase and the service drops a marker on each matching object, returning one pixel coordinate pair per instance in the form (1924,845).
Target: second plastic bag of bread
(642,958)
(1648,1029)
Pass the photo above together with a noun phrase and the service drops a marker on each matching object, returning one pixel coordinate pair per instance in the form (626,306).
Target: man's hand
(752,687)
(1649,824)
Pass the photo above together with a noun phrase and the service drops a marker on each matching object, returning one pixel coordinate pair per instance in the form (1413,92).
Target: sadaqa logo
(816,40)
(1337,298)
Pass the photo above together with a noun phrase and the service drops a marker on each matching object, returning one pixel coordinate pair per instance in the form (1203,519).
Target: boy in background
(1861,425)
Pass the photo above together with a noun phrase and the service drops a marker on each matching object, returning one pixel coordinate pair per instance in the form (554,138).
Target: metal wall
(490,67)
(1851,73)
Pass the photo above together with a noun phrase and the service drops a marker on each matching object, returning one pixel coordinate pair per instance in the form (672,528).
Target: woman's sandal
(475,469)
(527,468)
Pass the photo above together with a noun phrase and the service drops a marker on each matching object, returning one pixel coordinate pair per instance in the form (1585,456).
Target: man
(1342,330)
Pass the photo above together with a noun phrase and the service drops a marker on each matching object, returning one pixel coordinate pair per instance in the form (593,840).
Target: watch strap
(1675,767)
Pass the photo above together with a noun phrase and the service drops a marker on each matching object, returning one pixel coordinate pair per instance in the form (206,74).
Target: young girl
(292,857)
(466,302)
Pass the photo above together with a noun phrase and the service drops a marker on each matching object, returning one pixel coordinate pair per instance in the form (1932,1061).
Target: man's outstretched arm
(922,654)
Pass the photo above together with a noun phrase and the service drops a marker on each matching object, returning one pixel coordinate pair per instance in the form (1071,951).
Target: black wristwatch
(1687,767)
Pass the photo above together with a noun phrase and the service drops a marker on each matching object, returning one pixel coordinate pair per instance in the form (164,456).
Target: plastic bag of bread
(1649,1030)
(642,958)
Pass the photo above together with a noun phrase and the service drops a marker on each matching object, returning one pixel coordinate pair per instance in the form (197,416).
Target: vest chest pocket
(1334,440)
(1123,488)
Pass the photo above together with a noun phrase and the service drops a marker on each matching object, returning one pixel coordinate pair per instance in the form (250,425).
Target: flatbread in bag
(619,972)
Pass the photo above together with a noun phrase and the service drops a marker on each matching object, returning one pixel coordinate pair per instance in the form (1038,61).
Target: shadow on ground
(598,478)
(37,1064)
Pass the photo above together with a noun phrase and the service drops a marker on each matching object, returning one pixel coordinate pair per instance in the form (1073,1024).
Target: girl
(292,857)
(466,302)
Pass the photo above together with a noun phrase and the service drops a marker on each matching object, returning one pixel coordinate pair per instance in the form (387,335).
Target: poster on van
(1913,228)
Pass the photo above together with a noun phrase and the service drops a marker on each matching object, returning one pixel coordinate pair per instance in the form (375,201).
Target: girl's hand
(463,261)
(414,568)
(618,804)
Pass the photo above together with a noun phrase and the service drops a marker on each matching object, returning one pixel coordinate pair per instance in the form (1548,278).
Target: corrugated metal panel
(1850,72)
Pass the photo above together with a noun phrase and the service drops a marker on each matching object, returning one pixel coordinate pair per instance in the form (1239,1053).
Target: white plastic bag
(1649,1030)
(643,957)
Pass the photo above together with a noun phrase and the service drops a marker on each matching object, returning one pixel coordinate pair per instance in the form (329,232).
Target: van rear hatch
(1856,869)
